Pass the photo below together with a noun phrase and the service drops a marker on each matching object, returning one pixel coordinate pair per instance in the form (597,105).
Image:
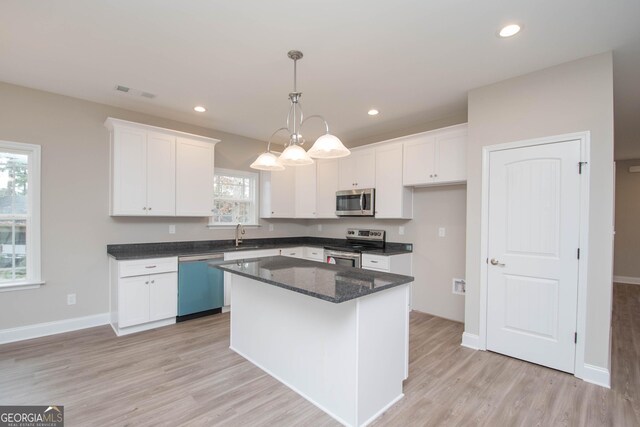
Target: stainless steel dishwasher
(200,286)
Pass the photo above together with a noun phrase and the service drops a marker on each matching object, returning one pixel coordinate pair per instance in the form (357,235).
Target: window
(19,214)
(235,198)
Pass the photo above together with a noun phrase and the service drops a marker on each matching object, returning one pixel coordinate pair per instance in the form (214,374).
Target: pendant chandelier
(326,146)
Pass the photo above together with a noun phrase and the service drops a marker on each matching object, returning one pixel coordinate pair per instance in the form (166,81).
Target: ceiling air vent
(135,92)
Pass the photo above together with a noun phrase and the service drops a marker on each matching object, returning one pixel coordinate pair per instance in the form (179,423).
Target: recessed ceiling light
(373,112)
(510,30)
(199,109)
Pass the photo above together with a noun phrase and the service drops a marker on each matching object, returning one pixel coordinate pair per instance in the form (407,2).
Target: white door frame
(585,142)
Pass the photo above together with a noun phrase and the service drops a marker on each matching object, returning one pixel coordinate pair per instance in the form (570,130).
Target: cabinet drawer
(315,254)
(141,267)
(292,252)
(377,262)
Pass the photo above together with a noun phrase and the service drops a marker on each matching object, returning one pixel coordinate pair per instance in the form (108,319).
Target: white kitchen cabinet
(159,172)
(133,306)
(392,199)
(313,253)
(326,187)
(436,158)
(297,252)
(144,294)
(194,177)
(357,170)
(305,191)
(161,178)
(397,264)
(277,194)
(143,173)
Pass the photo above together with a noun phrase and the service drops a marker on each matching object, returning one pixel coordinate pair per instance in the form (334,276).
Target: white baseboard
(596,375)
(627,280)
(471,341)
(52,328)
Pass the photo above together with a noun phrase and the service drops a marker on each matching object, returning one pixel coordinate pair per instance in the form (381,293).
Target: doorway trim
(580,369)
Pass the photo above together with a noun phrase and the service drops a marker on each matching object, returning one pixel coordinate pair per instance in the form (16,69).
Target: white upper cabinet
(159,172)
(358,170)
(278,193)
(326,187)
(392,199)
(194,177)
(128,172)
(437,157)
(305,195)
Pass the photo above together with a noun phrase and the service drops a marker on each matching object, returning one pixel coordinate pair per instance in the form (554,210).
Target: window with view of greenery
(235,198)
(19,221)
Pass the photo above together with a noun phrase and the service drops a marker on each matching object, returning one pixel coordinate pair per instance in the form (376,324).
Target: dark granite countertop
(328,282)
(199,247)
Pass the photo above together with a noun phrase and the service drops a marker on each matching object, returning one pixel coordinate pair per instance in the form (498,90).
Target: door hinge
(580,164)
(578,253)
(575,338)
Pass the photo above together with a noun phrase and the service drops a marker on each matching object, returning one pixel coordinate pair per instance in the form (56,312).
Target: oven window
(347,262)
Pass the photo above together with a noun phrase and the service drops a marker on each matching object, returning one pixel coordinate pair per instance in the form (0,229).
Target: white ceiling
(412,60)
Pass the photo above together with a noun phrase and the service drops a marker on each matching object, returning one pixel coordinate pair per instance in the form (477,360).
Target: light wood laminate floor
(186,375)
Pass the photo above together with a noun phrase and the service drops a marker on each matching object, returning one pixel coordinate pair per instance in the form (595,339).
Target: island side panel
(383,325)
(304,342)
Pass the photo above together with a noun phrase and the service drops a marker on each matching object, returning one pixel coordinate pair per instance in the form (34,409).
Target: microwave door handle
(361,202)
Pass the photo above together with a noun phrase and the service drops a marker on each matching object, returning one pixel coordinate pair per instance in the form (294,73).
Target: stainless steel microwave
(355,202)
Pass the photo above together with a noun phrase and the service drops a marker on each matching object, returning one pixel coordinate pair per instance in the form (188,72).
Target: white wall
(75,224)
(572,97)
(436,260)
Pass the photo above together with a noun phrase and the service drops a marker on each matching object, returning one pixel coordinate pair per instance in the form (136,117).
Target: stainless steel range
(358,241)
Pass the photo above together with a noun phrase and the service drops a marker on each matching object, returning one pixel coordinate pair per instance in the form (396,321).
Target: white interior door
(533,240)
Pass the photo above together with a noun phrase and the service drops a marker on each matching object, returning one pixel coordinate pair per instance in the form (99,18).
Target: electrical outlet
(442,232)
(270,227)
(459,286)
(172,229)
(401,230)
(71,299)
(319,227)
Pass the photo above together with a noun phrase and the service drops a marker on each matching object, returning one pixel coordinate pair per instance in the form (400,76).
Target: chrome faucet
(239,234)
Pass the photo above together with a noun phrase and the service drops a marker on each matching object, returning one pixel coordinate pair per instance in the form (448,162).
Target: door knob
(496,262)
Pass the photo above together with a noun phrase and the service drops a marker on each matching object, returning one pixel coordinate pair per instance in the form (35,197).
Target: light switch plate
(459,286)
(172,229)
(270,227)
(442,232)
(401,230)
(319,227)
(71,299)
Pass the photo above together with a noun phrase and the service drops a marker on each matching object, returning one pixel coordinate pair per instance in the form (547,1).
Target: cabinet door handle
(435,175)
(150,266)
(149,208)
(144,209)
(374,262)
(153,281)
(146,283)
(431,176)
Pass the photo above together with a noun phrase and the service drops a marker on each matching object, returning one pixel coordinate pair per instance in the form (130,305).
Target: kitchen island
(338,336)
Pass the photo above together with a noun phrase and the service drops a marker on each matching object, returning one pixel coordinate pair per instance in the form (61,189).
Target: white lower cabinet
(140,299)
(313,253)
(397,264)
(293,252)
